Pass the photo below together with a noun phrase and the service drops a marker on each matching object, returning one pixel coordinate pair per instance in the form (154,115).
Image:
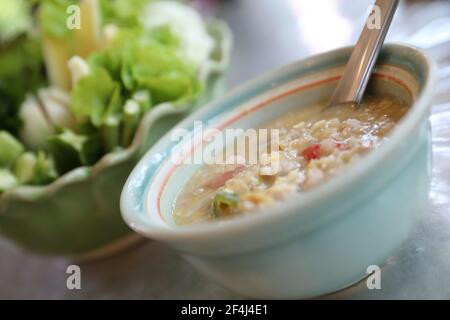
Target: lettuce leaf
(149,60)
(124,13)
(136,60)
(158,69)
(95,96)
(196,44)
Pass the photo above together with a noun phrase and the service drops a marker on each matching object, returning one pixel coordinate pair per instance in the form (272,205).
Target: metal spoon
(353,83)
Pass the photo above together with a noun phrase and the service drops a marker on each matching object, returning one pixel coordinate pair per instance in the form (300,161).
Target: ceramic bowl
(78,214)
(325,239)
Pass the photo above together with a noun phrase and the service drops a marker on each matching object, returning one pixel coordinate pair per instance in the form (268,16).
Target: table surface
(270,33)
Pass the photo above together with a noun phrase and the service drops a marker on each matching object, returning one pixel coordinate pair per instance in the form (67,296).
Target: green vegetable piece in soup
(225,202)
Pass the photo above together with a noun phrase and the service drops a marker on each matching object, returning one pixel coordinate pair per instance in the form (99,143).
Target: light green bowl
(78,214)
(322,240)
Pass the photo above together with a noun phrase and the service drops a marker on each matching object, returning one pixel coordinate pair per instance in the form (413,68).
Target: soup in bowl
(306,147)
(305,208)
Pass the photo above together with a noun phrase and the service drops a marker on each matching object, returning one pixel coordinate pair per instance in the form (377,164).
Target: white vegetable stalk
(56,54)
(87,37)
(110,133)
(131,116)
(78,69)
(36,128)
(109,32)
(55,105)
(144,99)
(24,167)
(42,114)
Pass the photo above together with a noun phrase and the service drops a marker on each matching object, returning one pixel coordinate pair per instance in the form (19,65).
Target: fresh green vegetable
(34,169)
(10,148)
(110,132)
(24,167)
(35,129)
(158,69)
(131,116)
(21,72)
(7,180)
(44,170)
(102,77)
(148,60)
(94,95)
(224,202)
(124,13)
(63,36)
(149,63)
(21,65)
(71,150)
(15,19)
(144,99)
(185,23)
(136,65)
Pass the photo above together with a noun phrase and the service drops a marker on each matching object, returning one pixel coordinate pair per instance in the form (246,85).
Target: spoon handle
(351,86)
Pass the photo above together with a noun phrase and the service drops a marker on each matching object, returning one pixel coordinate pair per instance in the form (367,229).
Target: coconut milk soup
(313,146)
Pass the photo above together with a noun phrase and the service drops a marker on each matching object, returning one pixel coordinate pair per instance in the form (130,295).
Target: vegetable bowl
(72,207)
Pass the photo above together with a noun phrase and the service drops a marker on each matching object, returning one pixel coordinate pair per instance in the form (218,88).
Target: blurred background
(268,34)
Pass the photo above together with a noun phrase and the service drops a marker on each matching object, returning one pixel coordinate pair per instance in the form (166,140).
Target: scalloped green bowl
(78,214)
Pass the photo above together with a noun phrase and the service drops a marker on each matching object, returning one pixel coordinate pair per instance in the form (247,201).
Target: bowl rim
(85,173)
(248,223)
